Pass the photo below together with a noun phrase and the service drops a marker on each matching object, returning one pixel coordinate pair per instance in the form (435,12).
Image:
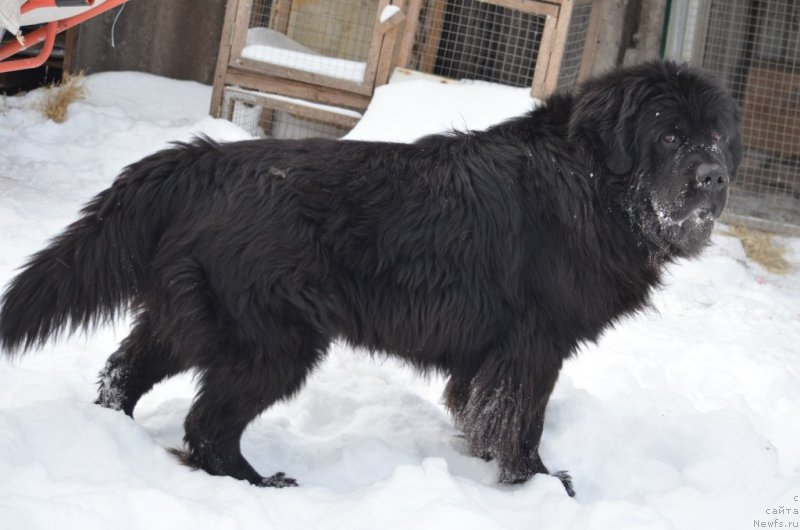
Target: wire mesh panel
(502,41)
(324,37)
(274,116)
(479,41)
(754,45)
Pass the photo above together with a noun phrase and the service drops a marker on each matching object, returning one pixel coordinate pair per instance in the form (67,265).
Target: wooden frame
(233,69)
(270,103)
(557,13)
(590,45)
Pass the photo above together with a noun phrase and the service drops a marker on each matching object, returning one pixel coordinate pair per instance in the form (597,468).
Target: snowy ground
(687,417)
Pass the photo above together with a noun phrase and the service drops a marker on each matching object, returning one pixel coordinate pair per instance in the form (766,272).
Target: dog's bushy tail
(87,274)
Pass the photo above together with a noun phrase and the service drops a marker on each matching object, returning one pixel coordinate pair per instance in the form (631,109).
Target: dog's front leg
(502,408)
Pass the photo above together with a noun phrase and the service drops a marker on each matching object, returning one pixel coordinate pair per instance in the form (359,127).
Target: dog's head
(668,138)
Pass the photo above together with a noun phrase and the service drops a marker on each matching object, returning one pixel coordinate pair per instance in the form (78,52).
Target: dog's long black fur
(487,255)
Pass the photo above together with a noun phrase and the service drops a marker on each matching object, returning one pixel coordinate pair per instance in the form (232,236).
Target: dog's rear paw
(278,480)
(566,480)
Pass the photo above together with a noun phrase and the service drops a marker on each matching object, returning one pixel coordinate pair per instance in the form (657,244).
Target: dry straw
(762,248)
(59,96)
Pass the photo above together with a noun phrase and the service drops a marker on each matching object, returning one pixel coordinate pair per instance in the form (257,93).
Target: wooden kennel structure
(262,61)
(236,68)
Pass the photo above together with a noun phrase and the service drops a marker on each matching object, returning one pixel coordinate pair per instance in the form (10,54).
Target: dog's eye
(669,138)
(716,137)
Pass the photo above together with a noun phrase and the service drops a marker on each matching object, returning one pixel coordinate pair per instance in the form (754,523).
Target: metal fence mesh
(754,45)
(473,39)
(268,115)
(470,39)
(330,37)
(335,28)
(263,122)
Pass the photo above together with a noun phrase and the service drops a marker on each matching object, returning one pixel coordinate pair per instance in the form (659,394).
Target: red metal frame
(46,34)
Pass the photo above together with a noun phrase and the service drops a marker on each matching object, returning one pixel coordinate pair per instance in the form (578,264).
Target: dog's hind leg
(248,353)
(237,385)
(141,361)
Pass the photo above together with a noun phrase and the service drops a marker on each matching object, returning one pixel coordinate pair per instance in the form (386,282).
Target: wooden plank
(393,21)
(539,86)
(530,6)
(590,45)
(279,16)
(431,45)
(391,33)
(223,58)
(240,27)
(295,106)
(315,114)
(296,74)
(287,87)
(557,49)
(387,62)
(375,44)
(409,33)
(306,109)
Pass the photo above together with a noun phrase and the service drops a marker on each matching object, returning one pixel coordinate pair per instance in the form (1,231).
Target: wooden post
(539,86)
(279,16)
(431,44)
(375,44)
(223,58)
(558,45)
(241,25)
(390,29)
(409,33)
(589,47)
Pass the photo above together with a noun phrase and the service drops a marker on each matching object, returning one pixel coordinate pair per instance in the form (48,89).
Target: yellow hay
(761,248)
(59,96)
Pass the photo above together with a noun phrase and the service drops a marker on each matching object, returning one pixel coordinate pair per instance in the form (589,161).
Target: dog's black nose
(711,177)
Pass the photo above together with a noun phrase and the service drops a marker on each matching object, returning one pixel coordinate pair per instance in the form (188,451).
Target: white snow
(686,417)
(270,46)
(388,12)
(414,107)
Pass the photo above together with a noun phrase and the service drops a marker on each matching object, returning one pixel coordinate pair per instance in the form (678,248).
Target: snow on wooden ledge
(270,46)
(388,12)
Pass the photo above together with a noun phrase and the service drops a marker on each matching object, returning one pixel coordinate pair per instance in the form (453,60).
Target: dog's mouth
(700,217)
(687,216)
(683,228)
(686,219)
(696,221)
(705,214)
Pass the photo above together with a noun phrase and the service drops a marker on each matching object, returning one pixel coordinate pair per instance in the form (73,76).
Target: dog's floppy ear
(602,121)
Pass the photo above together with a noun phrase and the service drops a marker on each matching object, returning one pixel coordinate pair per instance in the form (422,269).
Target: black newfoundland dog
(489,256)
